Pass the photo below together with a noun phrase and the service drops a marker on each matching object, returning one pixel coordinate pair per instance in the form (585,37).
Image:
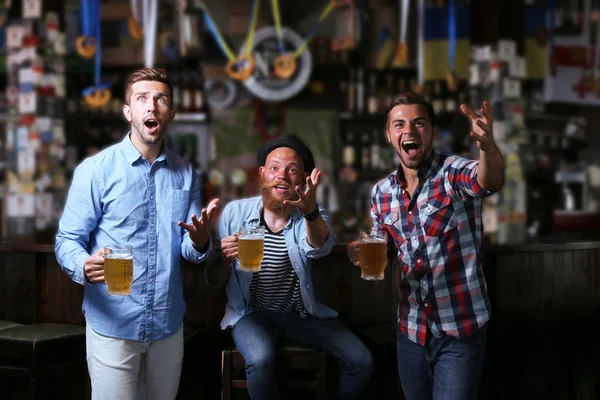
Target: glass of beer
(251,244)
(118,269)
(372,256)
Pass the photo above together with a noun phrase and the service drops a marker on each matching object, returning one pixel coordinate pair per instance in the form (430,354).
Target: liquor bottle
(199,98)
(349,152)
(343,95)
(376,159)
(348,173)
(427,93)
(390,94)
(373,101)
(360,92)
(351,93)
(176,93)
(451,100)
(365,153)
(187,103)
(402,86)
(437,101)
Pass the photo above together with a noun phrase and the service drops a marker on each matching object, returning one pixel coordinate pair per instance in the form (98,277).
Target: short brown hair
(411,98)
(147,74)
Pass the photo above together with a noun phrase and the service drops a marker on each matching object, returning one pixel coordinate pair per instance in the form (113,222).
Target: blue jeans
(256,335)
(444,369)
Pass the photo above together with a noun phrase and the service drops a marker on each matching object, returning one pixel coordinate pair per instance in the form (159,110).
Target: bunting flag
(437,28)
(536,41)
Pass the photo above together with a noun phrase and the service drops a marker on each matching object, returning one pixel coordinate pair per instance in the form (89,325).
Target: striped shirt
(276,286)
(438,234)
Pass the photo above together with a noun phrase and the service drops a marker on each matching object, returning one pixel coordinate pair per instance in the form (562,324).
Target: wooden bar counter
(542,343)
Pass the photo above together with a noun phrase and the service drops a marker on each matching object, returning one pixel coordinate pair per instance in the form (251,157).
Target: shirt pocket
(391,223)
(437,216)
(180,205)
(390,219)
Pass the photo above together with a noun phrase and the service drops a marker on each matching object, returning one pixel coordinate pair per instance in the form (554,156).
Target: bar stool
(7,324)
(51,357)
(299,367)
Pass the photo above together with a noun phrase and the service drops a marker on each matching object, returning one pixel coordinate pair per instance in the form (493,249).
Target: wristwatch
(313,215)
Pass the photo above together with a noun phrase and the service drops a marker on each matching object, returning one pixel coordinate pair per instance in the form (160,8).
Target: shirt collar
(132,154)
(427,170)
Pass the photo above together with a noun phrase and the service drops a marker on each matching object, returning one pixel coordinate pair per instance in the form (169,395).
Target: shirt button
(150,281)
(426,304)
(410,213)
(151,197)
(419,261)
(424,283)
(414,237)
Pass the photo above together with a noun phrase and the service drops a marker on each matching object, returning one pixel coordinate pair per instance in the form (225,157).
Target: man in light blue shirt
(135,192)
(279,301)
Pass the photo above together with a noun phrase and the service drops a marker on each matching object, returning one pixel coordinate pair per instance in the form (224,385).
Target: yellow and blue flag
(446,40)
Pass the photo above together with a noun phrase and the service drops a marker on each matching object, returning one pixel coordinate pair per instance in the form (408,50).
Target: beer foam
(252,237)
(372,239)
(118,257)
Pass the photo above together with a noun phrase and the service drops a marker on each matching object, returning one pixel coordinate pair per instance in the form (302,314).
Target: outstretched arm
(490,175)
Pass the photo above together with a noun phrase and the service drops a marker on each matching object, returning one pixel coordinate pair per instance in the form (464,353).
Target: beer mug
(251,244)
(118,269)
(372,257)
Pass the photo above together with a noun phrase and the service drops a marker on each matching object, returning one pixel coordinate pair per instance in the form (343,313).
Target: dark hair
(293,142)
(147,74)
(410,98)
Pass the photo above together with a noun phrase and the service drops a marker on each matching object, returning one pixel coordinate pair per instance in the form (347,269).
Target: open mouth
(411,147)
(281,188)
(151,123)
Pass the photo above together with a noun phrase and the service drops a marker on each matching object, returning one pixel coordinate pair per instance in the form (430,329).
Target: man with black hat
(279,301)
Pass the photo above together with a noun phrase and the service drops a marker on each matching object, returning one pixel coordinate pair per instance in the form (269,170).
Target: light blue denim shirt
(116,197)
(247,212)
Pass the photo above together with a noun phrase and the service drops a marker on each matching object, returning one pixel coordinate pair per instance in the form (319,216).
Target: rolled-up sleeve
(324,250)
(80,217)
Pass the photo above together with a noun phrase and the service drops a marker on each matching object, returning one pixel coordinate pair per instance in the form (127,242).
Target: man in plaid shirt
(431,209)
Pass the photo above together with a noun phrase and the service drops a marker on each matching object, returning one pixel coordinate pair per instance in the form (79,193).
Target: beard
(275,202)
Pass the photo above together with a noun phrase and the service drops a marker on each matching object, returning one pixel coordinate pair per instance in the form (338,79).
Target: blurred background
(537,62)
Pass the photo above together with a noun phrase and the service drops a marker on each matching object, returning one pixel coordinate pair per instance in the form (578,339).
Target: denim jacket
(247,212)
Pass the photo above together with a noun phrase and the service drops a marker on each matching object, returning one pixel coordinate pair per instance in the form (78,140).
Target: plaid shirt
(437,233)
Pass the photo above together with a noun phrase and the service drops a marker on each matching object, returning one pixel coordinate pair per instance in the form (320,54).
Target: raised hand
(229,247)
(94,267)
(307,200)
(482,131)
(199,229)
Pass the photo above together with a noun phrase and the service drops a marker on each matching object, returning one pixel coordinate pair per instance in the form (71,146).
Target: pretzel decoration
(240,69)
(401,56)
(285,66)
(135,30)
(451,81)
(86,46)
(418,89)
(98,98)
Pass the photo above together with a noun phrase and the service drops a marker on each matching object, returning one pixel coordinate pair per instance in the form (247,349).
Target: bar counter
(545,299)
